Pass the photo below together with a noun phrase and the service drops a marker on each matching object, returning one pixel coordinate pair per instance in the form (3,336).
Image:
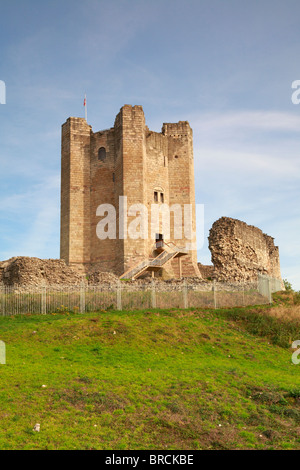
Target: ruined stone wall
(206,271)
(240,252)
(31,272)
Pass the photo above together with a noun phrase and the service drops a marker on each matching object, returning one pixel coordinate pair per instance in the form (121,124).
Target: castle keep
(127,164)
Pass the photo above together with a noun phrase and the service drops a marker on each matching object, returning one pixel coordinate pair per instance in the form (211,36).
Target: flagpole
(85,107)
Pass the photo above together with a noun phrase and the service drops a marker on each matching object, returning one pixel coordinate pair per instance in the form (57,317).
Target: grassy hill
(179,379)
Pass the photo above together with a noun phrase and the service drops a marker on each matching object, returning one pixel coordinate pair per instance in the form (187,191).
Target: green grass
(169,379)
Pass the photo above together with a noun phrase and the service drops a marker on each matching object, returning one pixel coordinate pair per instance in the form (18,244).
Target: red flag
(85,107)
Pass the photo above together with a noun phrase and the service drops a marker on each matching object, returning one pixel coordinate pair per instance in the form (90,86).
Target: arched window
(101,154)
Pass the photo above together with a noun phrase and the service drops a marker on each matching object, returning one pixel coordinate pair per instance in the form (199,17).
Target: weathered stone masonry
(147,167)
(240,252)
(126,160)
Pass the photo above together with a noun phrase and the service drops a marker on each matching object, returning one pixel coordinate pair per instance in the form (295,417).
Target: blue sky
(226,66)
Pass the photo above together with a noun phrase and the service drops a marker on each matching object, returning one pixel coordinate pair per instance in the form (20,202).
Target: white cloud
(247,167)
(30,220)
(231,122)
(255,144)
(234,162)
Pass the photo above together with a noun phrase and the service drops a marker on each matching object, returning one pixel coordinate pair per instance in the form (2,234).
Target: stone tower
(125,166)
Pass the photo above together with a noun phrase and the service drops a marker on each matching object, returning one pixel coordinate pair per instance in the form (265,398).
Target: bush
(297,298)
(287,285)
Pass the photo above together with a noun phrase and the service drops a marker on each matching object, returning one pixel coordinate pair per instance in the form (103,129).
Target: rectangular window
(155,196)
(162,197)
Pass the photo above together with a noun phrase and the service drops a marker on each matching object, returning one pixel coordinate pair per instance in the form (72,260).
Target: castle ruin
(128,166)
(131,170)
(240,252)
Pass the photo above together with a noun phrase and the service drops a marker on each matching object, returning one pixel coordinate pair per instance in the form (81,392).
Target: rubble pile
(100,277)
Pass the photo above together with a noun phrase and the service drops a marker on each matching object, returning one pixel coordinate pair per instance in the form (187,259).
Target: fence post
(215,294)
(2,292)
(43,299)
(2,353)
(153,294)
(185,295)
(82,297)
(119,296)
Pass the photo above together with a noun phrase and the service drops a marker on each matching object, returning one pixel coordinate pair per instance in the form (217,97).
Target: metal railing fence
(123,296)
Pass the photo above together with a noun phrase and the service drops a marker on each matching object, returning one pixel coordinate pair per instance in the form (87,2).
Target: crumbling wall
(240,252)
(26,271)
(206,271)
(34,272)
